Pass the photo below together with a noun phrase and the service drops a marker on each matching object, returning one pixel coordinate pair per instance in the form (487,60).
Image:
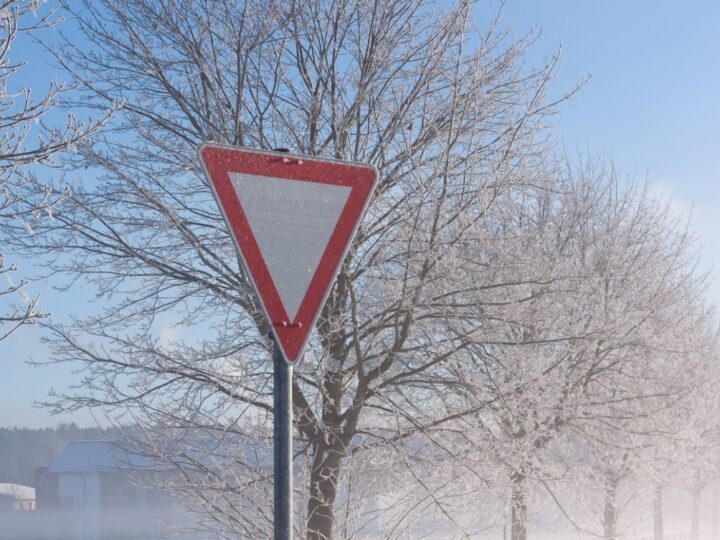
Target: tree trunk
(323,491)
(518,508)
(658,532)
(610,514)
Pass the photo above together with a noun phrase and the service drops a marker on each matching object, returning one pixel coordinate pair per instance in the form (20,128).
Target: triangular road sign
(292,219)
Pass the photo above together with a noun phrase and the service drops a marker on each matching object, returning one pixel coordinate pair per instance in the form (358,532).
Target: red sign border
(219,160)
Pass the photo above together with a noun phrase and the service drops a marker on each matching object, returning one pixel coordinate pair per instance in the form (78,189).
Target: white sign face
(291,221)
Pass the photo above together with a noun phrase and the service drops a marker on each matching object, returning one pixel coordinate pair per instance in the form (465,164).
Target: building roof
(17,491)
(97,456)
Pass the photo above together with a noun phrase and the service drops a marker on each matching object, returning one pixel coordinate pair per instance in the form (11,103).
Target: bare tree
(579,293)
(662,358)
(446,112)
(26,139)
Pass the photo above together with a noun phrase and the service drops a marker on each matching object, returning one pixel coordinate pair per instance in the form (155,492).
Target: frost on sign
(292,222)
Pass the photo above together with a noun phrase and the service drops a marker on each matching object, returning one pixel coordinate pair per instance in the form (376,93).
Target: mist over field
(518,339)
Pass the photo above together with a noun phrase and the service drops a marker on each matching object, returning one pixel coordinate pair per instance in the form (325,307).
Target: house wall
(80,494)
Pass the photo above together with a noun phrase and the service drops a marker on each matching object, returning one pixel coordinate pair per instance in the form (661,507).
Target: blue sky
(651,104)
(652,101)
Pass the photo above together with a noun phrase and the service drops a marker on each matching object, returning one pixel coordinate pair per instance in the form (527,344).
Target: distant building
(97,497)
(95,490)
(95,474)
(16,498)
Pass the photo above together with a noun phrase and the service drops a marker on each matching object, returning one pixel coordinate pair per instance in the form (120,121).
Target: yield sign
(292,219)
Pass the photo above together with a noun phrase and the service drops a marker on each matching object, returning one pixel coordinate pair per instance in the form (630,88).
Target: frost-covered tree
(26,138)
(647,303)
(652,301)
(695,465)
(581,297)
(447,112)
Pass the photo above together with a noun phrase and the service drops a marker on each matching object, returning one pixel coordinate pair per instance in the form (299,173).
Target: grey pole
(282,447)
(282,435)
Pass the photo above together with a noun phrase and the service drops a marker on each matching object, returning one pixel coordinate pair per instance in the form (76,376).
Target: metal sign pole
(282,444)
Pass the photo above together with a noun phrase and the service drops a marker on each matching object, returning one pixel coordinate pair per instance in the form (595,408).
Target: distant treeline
(23,449)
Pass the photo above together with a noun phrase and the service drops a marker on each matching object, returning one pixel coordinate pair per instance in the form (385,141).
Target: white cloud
(168,334)
(666,192)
